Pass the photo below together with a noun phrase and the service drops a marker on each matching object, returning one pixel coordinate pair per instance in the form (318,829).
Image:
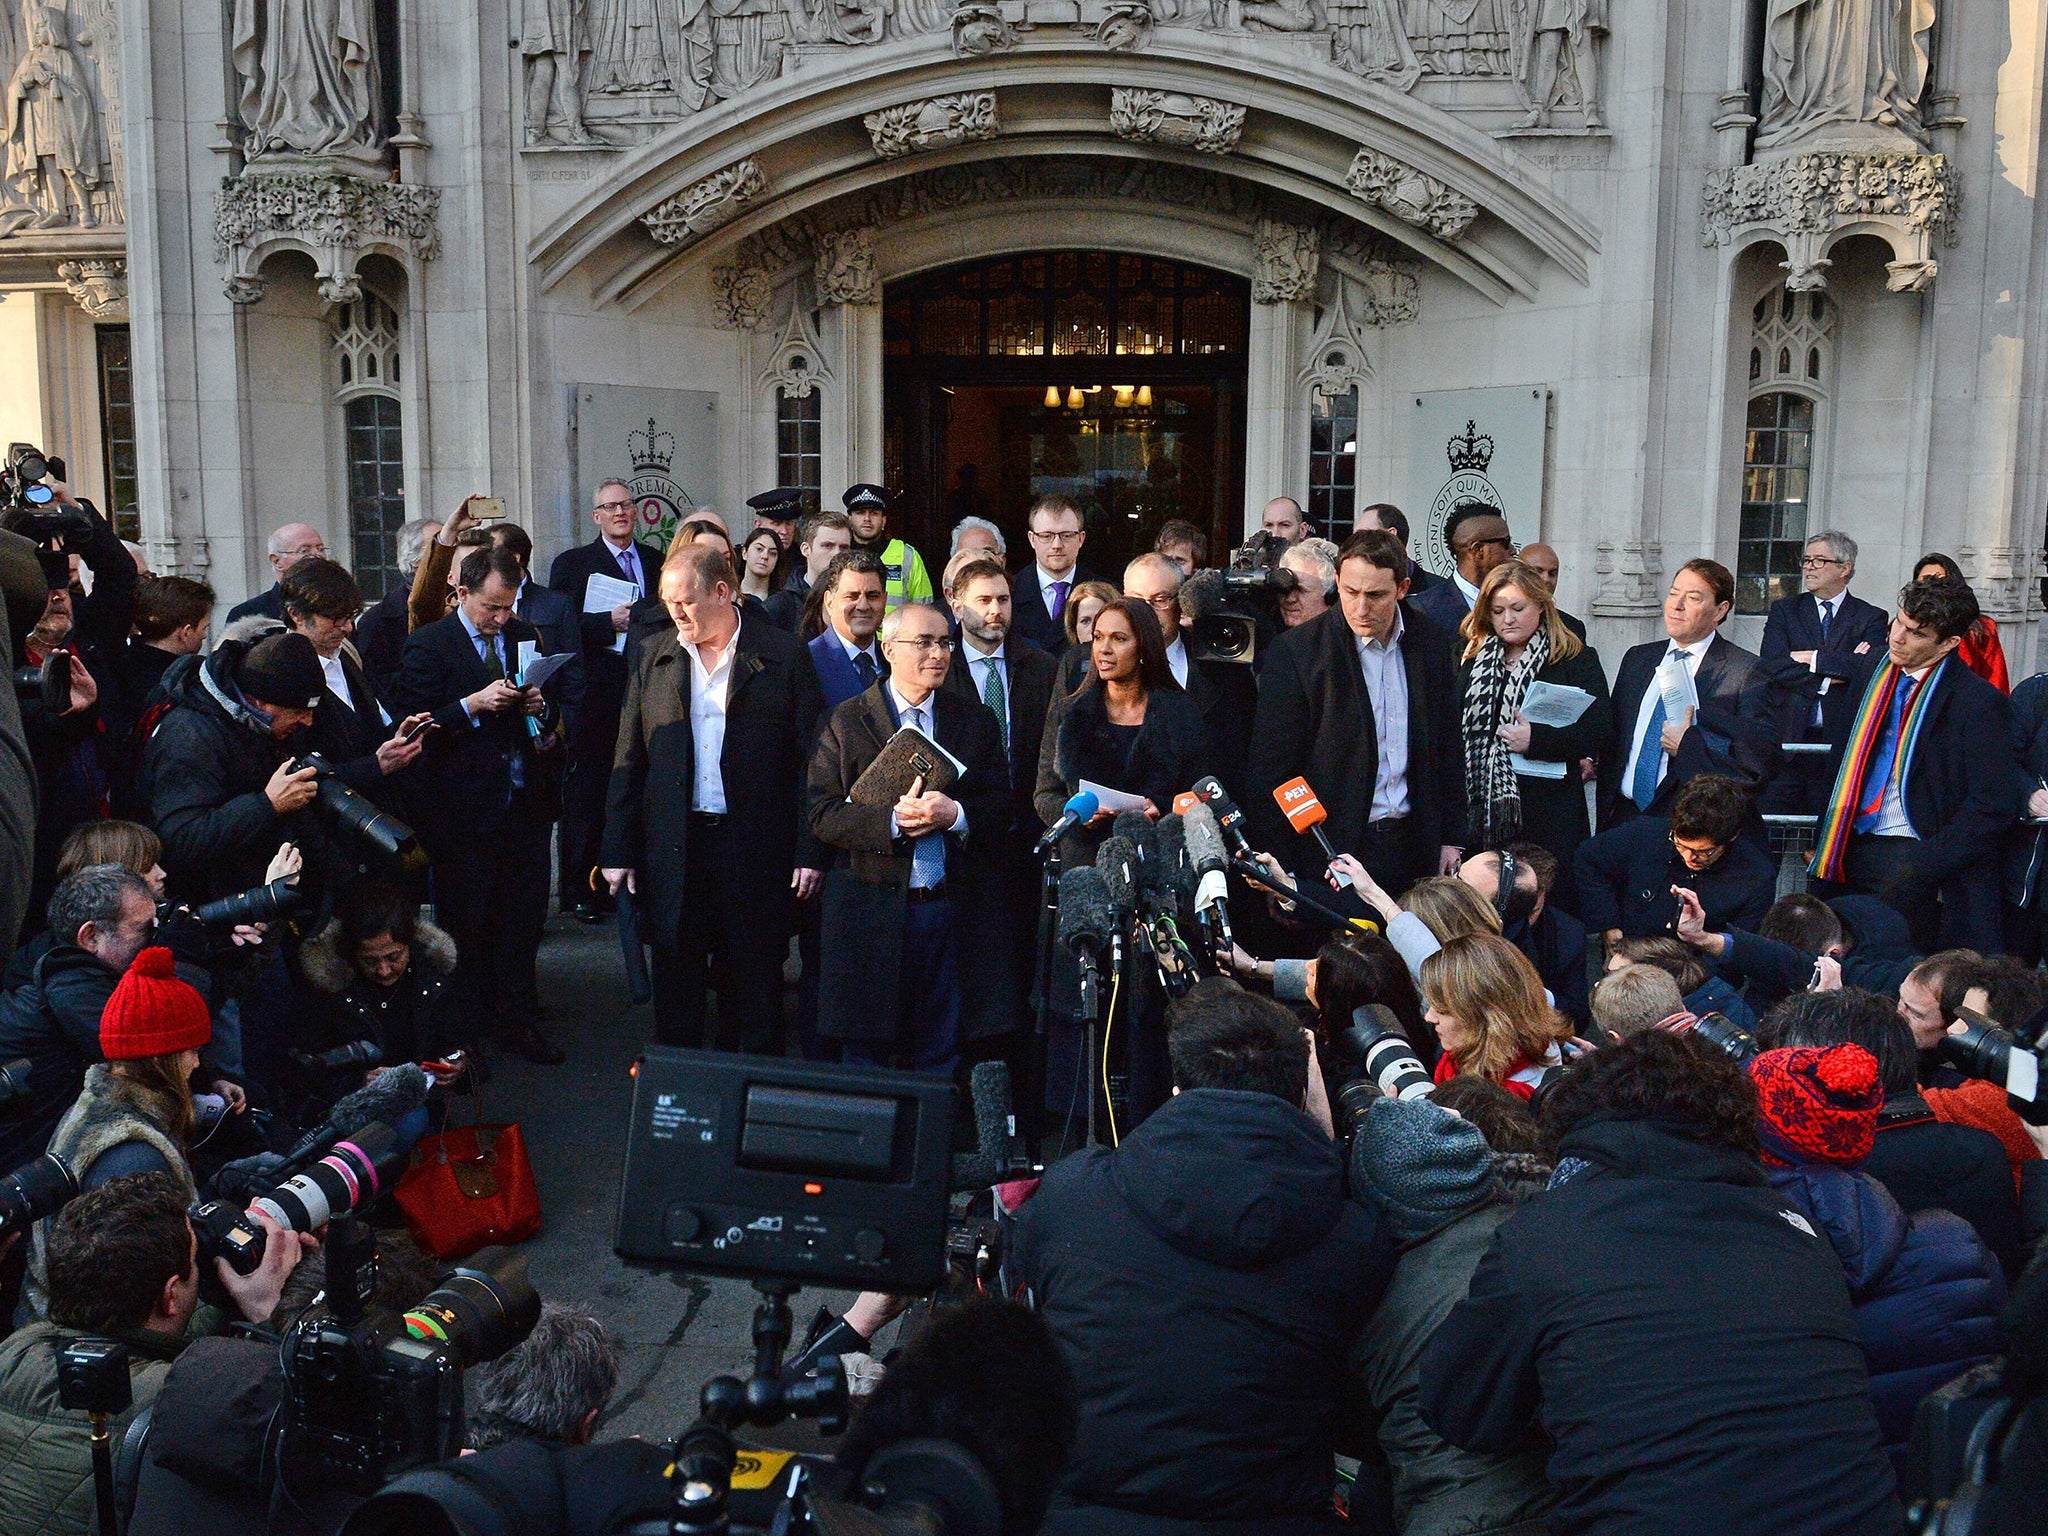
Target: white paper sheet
(1113,799)
(1554,704)
(539,671)
(604,593)
(1675,683)
(1530,768)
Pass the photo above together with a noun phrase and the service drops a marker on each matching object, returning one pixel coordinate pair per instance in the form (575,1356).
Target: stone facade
(1420,196)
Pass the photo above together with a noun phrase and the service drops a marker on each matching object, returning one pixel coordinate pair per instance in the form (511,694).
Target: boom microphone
(1082,807)
(1229,819)
(993,1127)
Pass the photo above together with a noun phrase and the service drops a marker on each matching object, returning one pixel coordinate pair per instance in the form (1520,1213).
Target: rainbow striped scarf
(1831,845)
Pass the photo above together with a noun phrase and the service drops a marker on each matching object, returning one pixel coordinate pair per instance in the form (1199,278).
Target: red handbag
(468,1188)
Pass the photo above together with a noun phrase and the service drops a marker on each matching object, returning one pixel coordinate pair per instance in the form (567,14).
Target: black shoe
(535,1047)
(584,912)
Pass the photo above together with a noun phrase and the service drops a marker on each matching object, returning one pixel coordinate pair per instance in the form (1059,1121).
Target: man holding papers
(909,793)
(1535,702)
(603,578)
(1675,700)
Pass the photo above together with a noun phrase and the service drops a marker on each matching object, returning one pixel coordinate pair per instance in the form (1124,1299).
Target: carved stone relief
(1631,578)
(1409,195)
(846,271)
(797,368)
(932,124)
(741,295)
(1844,75)
(1807,201)
(309,83)
(554,46)
(1200,123)
(100,288)
(337,217)
(705,205)
(1337,361)
(1557,62)
(1287,258)
(62,77)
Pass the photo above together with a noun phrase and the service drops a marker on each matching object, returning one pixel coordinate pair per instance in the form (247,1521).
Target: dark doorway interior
(1116,379)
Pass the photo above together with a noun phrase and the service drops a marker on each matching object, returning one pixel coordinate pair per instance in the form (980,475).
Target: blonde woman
(1522,779)
(1491,1015)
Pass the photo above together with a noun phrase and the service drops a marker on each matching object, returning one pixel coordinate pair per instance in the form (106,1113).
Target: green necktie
(995,698)
(490,654)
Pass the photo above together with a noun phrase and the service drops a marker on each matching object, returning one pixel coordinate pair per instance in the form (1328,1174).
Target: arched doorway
(1115,378)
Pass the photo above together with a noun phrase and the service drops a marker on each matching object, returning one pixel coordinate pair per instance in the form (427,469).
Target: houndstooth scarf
(1491,699)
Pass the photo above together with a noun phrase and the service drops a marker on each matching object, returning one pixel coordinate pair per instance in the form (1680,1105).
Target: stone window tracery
(1791,365)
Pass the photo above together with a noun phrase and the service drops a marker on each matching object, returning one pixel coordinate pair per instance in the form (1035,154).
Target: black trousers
(1960,912)
(723,944)
(492,897)
(589,776)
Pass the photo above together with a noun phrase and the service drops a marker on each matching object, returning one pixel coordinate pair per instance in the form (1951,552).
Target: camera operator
(217,773)
(553,1387)
(1685,1340)
(123,1266)
(1205,1279)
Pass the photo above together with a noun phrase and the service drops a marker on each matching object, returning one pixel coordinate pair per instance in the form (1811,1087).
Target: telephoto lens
(346,1179)
(265,904)
(357,1055)
(38,1188)
(1376,1042)
(14,1100)
(1717,1029)
(387,834)
(1989,1053)
(481,1308)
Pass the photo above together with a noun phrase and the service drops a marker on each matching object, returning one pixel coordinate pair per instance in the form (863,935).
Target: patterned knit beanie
(1817,1104)
(153,1012)
(1424,1166)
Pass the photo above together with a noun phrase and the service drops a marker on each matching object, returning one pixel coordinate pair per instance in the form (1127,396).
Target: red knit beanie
(1817,1104)
(153,1012)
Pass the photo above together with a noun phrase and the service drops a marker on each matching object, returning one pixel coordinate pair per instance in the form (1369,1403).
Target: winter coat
(1171,753)
(1204,1280)
(1927,1290)
(46,1486)
(420,1018)
(1440,1490)
(1927,1164)
(1685,1339)
(1626,875)
(1881,954)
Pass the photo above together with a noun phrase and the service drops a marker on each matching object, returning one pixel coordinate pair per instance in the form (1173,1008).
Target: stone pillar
(1276,404)
(849,285)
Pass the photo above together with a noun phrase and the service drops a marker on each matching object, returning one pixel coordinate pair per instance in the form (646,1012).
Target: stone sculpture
(311,81)
(1844,74)
(56,157)
(554,41)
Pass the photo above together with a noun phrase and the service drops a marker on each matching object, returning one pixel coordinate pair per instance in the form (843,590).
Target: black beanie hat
(283,670)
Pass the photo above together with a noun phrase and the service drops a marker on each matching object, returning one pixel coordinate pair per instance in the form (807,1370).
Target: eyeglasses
(940,643)
(1815,562)
(1056,538)
(615,506)
(1165,602)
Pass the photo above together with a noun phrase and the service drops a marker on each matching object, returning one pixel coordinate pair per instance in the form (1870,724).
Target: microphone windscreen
(1215,795)
(387,1098)
(1136,826)
(1118,862)
(1177,871)
(990,1086)
(1202,594)
(1205,840)
(1086,921)
(1082,806)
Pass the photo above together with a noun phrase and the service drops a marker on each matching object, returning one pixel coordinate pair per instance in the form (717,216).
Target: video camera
(26,503)
(371,1393)
(344,808)
(1227,608)
(1992,1054)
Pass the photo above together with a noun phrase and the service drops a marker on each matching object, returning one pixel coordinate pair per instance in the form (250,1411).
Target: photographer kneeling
(123,1266)
(1205,1280)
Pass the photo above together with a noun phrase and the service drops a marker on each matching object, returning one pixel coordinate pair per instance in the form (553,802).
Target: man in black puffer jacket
(1205,1280)
(1683,1336)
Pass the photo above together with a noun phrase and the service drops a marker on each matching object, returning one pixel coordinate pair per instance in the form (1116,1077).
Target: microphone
(994,1124)
(1082,807)
(1177,873)
(1229,819)
(385,1100)
(1087,921)
(1117,861)
(1208,867)
(1202,594)
(1305,813)
(1136,828)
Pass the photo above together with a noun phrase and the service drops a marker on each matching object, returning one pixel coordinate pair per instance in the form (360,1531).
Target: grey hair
(892,621)
(564,1370)
(412,543)
(609,480)
(1839,544)
(1157,562)
(94,894)
(1309,552)
(965,523)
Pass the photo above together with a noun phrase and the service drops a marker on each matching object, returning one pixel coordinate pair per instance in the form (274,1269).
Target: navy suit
(266,605)
(1794,625)
(1443,602)
(836,674)
(1028,614)
(1709,747)
(1626,875)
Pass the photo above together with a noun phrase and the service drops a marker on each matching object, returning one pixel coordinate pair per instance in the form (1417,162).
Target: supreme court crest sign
(662,442)
(1483,445)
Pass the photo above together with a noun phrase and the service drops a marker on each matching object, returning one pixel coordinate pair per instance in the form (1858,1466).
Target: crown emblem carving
(1473,451)
(652,449)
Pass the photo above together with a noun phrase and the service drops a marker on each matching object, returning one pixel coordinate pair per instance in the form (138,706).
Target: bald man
(1542,559)
(286,548)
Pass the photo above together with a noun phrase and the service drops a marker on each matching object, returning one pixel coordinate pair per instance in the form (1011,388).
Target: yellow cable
(1108,1020)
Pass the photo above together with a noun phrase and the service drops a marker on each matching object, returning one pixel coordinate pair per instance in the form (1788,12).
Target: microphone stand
(1041,995)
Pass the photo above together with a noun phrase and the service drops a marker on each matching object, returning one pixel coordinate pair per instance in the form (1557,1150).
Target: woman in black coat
(1129,726)
(1514,637)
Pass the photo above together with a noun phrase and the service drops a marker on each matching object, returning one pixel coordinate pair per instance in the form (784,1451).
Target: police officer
(905,579)
(779,510)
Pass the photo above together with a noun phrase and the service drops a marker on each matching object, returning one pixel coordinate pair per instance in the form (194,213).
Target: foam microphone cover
(386,1099)
(1205,840)
(990,1086)
(1202,594)
(1177,871)
(1086,920)
(1137,829)
(1118,862)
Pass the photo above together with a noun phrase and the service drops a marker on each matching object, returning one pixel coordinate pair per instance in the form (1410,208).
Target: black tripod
(700,1485)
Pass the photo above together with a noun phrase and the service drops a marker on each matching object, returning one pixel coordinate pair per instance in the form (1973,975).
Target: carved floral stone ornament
(100,288)
(705,205)
(1809,201)
(846,271)
(335,216)
(1337,361)
(741,295)
(1200,123)
(1288,256)
(932,124)
(1409,195)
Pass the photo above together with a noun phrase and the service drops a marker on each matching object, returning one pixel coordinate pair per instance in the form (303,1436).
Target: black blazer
(462,781)
(1032,678)
(1794,625)
(348,735)
(380,635)
(604,670)
(1028,615)
(1710,747)
(771,722)
(862,908)
(1554,810)
(1443,602)
(1170,754)
(1314,720)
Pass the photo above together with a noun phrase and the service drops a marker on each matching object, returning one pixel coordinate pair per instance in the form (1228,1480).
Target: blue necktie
(864,669)
(928,853)
(1643,786)
(1827,617)
(1879,778)
(630,564)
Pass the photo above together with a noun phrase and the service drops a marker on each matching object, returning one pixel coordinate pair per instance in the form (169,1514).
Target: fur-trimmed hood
(1170,754)
(327,969)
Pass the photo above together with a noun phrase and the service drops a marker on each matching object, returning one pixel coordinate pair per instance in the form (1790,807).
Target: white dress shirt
(978,666)
(873,653)
(1692,654)
(709,690)
(1471,592)
(1386,688)
(1045,581)
(1177,659)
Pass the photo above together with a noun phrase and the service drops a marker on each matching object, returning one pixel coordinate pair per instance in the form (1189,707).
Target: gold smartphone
(484,508)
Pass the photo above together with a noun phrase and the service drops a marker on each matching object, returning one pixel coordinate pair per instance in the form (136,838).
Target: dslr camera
(342,807)
(28,506)
(1990,1053)
(1227,609)
(40,1187)
(1373,1060)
